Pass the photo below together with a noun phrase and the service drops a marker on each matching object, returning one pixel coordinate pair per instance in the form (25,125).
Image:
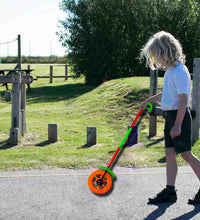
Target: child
(163,51)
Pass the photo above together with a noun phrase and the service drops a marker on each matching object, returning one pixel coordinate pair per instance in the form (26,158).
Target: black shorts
(183,142)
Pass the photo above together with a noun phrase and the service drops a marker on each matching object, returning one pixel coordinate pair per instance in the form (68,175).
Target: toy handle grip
(149,107)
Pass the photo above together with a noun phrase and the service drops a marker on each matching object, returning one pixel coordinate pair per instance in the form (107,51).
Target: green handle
(150,107)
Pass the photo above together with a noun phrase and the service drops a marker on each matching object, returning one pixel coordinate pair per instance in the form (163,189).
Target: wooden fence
(51,75)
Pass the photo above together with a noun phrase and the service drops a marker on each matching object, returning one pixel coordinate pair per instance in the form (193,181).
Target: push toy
(100,181)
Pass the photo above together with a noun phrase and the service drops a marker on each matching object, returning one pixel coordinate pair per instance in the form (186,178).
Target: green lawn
(71,104)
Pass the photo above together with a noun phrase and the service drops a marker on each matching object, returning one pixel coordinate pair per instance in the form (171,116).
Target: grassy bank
(71,104)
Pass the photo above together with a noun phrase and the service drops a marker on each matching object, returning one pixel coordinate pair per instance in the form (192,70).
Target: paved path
(64,194)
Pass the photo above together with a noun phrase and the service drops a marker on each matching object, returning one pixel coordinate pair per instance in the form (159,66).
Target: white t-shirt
(176,81)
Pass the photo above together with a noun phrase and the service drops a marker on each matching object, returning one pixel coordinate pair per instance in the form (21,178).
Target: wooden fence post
(91,136)
(51,74)
(196,100)
(19,52)
(16,104)
(8,96)
(28,74)
(23,106)
(66,72)
(52,133)
(153,91)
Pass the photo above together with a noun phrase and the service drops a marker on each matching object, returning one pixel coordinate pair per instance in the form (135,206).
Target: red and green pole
(125,137)
(150,107)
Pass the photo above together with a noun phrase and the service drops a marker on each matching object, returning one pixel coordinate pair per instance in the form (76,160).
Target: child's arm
(151,99)
(182,104)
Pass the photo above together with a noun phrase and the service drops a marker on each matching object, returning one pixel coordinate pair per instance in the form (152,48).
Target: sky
(36,21)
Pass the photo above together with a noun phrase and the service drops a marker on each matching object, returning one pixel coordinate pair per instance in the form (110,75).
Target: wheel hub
(99,182)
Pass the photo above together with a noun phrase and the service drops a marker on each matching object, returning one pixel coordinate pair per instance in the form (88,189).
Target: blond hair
(162,51)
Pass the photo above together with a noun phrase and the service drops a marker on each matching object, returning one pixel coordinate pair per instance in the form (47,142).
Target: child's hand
(152,99)
(175,131)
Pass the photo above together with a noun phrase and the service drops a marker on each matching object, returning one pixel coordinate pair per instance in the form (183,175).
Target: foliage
(104,37)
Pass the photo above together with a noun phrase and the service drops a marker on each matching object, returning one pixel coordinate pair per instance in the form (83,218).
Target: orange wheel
(97,184)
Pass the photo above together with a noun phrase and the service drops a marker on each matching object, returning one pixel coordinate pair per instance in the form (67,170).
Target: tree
(96,35)
(104,37)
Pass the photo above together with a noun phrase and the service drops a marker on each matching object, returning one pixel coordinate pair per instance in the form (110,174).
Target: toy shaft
(125,137)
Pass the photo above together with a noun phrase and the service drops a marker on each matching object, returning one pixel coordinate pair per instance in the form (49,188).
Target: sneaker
(196,199)
(164,197)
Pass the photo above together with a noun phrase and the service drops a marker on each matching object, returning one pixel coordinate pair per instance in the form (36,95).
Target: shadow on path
(190,214)
(159,211)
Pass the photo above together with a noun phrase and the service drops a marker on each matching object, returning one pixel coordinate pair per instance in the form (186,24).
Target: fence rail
(38,77)
(51,76)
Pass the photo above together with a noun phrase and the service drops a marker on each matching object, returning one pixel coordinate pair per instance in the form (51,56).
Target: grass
(71,104)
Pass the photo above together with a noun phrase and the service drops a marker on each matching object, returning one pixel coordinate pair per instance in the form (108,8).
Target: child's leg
(193,161)
(169,193)
(195,164)
(171,167)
